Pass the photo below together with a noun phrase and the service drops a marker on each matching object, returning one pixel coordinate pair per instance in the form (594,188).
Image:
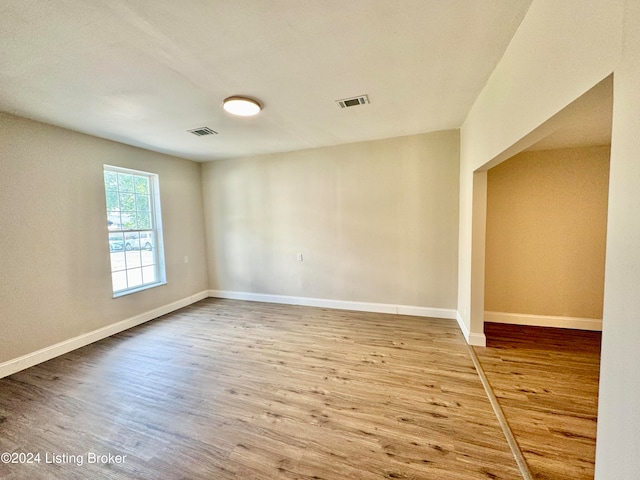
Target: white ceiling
(143,72)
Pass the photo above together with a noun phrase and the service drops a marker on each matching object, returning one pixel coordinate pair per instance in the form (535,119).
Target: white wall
(560,51)
(55,281)
(618,437)
(375,221)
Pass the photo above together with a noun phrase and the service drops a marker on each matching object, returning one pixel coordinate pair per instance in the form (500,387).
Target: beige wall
(560,51)
(375,222)
(55,281)
(546,233)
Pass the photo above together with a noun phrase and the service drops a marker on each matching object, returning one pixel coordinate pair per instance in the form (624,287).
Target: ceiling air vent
(353,102)
(202,131)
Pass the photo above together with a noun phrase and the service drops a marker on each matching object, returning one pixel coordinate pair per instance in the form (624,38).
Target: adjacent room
(544,287)
(304,240)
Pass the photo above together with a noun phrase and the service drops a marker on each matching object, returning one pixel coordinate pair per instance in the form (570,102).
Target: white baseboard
(338,304)
(475,339)
(29,360)
(594,324)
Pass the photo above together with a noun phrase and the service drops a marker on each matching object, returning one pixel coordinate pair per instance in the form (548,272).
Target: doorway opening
(545,224)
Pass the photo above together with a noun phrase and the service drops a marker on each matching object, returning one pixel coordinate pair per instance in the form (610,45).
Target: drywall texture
(560,51)
(374,222)
(619,403)
(546,233)
(55,281)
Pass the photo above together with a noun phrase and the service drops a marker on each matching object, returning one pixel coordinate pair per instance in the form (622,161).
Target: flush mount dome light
(242,106)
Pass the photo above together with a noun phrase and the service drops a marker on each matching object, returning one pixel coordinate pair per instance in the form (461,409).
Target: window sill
(123,293)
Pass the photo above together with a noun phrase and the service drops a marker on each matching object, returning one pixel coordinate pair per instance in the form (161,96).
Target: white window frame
(157,250)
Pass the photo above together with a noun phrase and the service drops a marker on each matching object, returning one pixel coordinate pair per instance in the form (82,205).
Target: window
(135,230)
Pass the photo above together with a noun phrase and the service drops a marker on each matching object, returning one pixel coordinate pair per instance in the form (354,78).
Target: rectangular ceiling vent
(202,131)
(353,102)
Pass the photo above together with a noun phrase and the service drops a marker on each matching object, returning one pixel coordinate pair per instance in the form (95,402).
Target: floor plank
(546,381)
(239,390)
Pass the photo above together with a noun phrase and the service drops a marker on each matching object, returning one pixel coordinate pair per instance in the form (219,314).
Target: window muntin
(135,230)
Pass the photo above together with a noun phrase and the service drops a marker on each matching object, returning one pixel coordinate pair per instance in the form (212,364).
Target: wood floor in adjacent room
(546,381)
(238,390)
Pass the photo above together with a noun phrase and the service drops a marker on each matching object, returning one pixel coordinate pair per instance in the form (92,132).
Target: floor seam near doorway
(502,420)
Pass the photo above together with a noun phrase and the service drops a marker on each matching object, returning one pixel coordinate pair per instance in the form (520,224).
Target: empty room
(276,239)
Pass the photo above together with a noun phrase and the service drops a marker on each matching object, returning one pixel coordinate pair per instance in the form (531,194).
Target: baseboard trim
(593,324)
(447,313)
(29,360)
(475,339)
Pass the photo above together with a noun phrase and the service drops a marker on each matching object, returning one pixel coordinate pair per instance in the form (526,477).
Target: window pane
(149,274)
(119,222)
(133,259)
(144,220)
(119,280)
(129,221)
(110,181)
(141,185)
(116,243)
(142,203)
(113,204)
(125,182)
(147,257)
(127,202)
(134,277)
(147,242)
(117,261)
(131,241)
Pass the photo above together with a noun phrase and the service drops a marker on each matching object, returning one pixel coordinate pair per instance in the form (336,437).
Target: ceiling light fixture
(242,106)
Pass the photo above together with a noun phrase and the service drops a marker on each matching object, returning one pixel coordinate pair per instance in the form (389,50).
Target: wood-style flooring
(240,390)
(546,381)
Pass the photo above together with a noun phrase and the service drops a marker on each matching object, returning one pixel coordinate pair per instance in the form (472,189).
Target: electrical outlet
(299,257)
(186,259)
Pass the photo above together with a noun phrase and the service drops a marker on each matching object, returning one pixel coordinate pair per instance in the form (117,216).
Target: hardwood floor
(238,390)
(546,381)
